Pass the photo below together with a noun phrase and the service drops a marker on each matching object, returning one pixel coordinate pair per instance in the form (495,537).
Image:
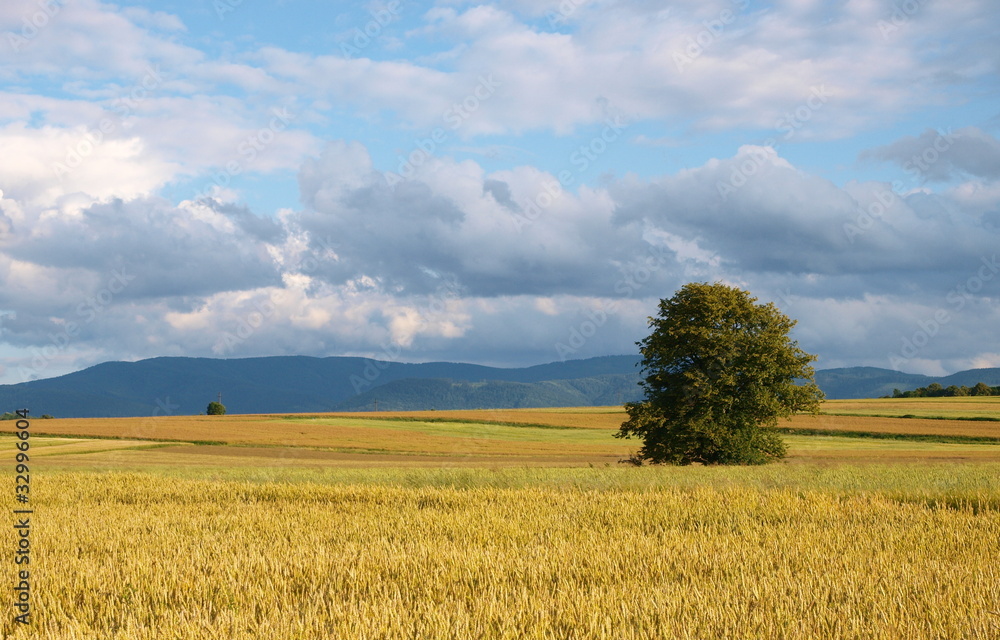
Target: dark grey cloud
(411,235)
(163,249)
(760,215)
(500,191)
(263,228)
(943,155)
(753,215)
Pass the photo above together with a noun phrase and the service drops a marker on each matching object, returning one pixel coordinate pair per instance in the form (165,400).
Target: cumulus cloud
(447,224)
(67,266)
(458,259)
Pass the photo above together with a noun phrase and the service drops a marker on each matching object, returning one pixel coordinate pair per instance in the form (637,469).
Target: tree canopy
(720,370)
(216,409)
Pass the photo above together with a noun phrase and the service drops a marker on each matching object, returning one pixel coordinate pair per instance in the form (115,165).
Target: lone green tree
(719,372)
(216,409)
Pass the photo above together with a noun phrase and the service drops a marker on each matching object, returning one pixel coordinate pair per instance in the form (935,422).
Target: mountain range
(298,384)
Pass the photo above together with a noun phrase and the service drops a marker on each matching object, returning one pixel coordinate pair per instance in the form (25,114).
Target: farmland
(547,437)
(507,524)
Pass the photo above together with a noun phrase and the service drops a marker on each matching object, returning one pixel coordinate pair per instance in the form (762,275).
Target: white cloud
(42,166)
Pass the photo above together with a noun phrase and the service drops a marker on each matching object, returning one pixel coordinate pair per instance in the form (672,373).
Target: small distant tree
(216,409)
(720,370)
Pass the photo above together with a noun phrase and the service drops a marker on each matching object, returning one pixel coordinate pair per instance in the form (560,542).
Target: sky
(505,183)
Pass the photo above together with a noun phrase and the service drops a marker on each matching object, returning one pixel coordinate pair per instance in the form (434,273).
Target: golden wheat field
(514,524)
(602,553)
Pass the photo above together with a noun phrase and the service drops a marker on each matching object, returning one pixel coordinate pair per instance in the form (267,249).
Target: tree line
(935,390)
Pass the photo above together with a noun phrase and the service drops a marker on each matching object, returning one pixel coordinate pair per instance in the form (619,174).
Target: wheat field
(514,524)
(596,553)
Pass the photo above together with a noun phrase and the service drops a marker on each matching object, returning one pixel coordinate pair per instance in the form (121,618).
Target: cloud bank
(508,183)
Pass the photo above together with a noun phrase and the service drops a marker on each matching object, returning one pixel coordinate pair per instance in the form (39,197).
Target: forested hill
(872,382)
(287,384)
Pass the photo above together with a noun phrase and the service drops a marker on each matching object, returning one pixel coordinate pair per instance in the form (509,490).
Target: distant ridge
(298,384)
(413,394)
(866,382)
(872,382)
(287,384)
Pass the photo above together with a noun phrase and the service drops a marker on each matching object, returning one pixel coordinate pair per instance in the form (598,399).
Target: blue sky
(507,183)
